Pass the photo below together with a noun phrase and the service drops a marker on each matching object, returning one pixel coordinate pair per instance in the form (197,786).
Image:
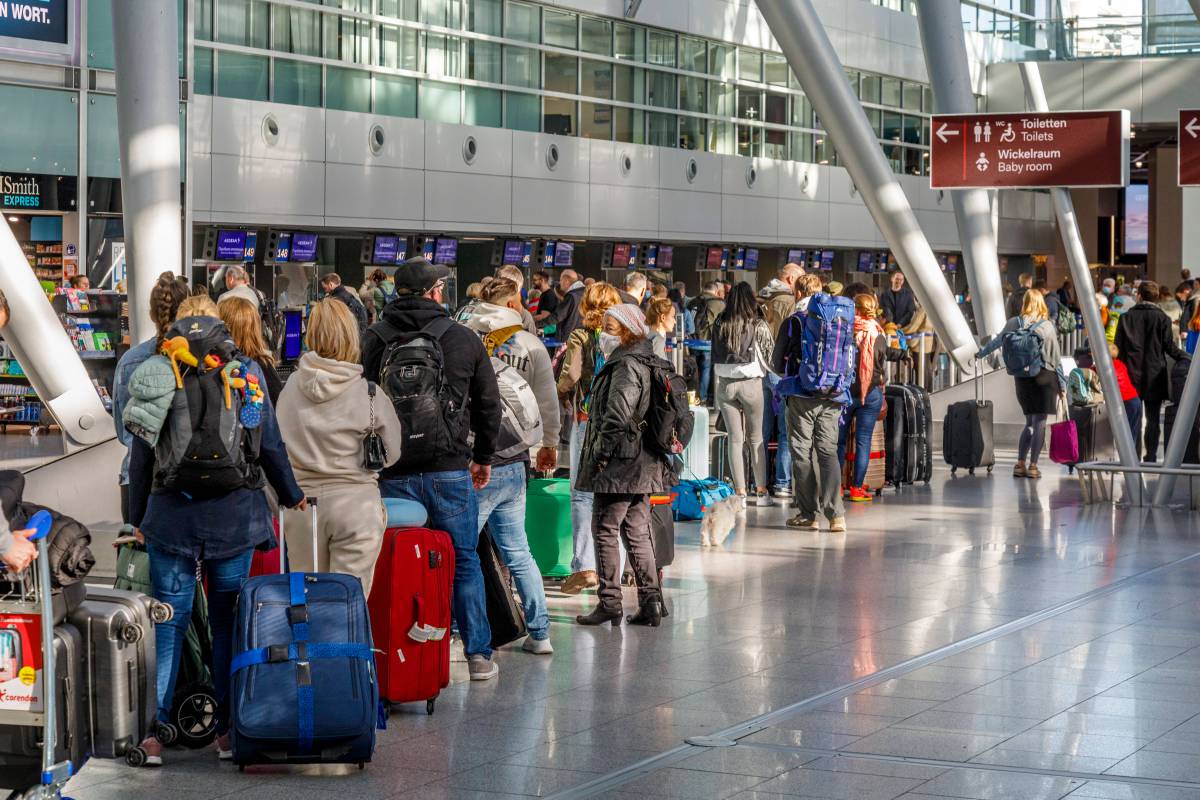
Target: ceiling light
(1137,164)
(14,219)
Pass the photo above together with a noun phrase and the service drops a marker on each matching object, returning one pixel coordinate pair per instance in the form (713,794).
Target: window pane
(660,89)
(521,21)
(875,117)
(55,118)
(439,102)
(296,30)
(852,79)
(750,63)
(891,92)
(775,68)
(558,116)
(912,129)
(561,74)
(891,126)
(297,83)
(912,161)
(801,147)
(103,148)
(242,77)
(912,96)
(443,55)
(749,140)
(629,125)
(775,144)
(399,48)
(749,104)
(660,130)
(100,34)
(691,94)
(597,79)
(629,84)
(484,16)
(927,99)
(483,107)
(720,138)
(629,42)
(522,112)
(202,20)
(560,29)
(522,68)
(596,36)
(720,61)
(595,121)
(721,99)
(348,40)
(348,89)
(396,97)
(869,88)
(801,112)
(661,48)
(693,54)
(444,13)
(823,151)
(691,133)
(401,9)
(483,62)
(242,22)
(203,68)
(776,110)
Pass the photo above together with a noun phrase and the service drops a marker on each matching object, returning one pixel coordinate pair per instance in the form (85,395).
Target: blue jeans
(865,415)
(775,429)
(174,580)
(502,509)
(1133,412)
(704,365)
(454,508)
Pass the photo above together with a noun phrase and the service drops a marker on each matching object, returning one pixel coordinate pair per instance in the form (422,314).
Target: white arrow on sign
(945,131)
(1193,127)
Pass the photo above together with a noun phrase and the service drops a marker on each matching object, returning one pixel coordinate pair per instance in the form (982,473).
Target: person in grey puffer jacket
(617,467)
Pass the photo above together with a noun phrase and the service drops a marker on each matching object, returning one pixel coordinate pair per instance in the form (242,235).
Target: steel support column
(1085,291)
(946,59)
(146,47)
(44,351)
(801,35)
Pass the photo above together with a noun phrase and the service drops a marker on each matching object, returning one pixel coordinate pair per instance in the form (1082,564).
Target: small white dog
(719,521)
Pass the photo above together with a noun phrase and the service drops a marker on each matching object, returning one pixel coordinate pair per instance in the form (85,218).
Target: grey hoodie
(525,353)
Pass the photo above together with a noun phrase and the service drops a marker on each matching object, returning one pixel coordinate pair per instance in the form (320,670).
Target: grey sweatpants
(350,525)
(816,472)
(741,405)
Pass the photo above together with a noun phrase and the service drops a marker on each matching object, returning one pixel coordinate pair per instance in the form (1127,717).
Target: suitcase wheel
(135,757)
(161,612)
(971,471)
(166,733)
(132,633)
(362,765)
(953,471)
(989,470)
(430,704)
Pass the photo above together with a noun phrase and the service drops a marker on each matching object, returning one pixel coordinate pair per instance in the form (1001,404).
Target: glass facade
(524,66)
(1005,19)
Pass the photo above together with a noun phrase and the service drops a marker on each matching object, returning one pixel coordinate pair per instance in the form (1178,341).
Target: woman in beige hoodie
(324,415)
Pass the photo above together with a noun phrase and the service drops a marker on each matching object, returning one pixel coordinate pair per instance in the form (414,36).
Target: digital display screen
(826,260)
(633,256)
(725,254)
(797,257)
(713,261)
(446,251)
(548,256)
(943,259)
(231,245)
(283,248)
(739,258)
(387,249)
(651,256)
(251,248)
(526,253)
(751,258)
(427,250)
(666,255)
(304,247)
(620,256)
(514,249)
(952,264)
(564,254)
(866,261)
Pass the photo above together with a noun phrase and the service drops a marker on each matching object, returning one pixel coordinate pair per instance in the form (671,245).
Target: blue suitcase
(304,689)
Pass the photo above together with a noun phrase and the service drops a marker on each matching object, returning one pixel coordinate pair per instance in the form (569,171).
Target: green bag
(548,525)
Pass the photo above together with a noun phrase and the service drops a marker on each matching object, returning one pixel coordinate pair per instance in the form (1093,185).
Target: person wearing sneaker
(866,393)
(502,502)
(621,470)
(580,364)
(439,466)
(741,351)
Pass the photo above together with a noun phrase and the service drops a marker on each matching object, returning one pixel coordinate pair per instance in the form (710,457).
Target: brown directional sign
(1189,147)
(1030,150)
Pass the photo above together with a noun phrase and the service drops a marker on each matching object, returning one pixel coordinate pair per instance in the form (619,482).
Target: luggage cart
(32,595)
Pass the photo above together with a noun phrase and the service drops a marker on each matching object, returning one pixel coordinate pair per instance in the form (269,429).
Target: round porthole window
(552,156)
(376,139)
(626,164)
(691,170)
(270,129)
(470,150)
(751,175)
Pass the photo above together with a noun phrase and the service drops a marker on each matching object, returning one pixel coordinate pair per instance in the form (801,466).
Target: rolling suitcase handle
(283,565)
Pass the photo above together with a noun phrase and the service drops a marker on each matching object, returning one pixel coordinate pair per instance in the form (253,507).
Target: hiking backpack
(820,361)
(412,373)
(521,421)
(705,317)
(1065,323)
(1022,351)
(210,442)
(1079,388)
(669,419)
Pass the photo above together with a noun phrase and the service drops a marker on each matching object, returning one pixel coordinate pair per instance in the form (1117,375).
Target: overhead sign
(1189,147)
(36,20)
(1030,150)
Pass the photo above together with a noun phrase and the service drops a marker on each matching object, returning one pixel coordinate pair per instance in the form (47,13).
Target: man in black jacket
(898,303)
(331,284)
(566,313)
(443,478)
(1144,340)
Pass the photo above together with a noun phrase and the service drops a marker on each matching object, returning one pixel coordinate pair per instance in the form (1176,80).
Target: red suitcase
(410,614)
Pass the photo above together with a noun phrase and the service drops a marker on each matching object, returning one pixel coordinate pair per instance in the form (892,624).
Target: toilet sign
(1030,150)
(1189,147)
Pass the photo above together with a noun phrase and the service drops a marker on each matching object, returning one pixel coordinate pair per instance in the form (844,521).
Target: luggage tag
(426,633)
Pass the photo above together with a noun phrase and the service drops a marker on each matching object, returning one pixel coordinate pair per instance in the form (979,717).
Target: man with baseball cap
(438,467)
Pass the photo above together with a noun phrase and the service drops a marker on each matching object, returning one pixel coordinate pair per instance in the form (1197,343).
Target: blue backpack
(820,361)
(1022,351)
(693,498)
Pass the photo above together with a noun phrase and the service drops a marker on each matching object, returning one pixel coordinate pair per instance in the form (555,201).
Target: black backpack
(412,373)
(702,308)
(669,419)
(210,443)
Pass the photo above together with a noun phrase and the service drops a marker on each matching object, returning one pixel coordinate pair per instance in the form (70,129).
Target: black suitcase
(1191,455)
(662,532)
(505,615)
(893,433)
(967,436)
(909,456)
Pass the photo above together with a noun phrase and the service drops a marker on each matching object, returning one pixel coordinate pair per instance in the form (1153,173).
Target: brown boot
(576,582)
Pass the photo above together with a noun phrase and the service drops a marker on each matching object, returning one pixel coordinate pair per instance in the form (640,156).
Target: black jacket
(354,304)
(1144,340)
(898,307)
(469,374)
(1015,302)
(614,458)
(566,314)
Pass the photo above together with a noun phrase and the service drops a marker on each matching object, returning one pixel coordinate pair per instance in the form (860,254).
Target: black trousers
(1152,428)
(623,518)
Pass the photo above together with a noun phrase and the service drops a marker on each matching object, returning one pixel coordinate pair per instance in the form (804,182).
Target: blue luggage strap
(301,652)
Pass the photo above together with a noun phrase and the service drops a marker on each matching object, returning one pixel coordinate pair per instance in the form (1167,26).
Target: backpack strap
(496,339)
(438,327)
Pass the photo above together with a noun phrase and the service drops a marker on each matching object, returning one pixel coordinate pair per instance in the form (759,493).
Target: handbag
(1064,441)
(374,451)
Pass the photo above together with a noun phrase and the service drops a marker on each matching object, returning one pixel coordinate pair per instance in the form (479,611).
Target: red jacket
(1127,390)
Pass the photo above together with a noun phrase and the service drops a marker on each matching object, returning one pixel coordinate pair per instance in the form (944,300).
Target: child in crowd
(1129,395)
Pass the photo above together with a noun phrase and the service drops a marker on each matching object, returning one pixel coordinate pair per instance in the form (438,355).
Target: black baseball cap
(418,275)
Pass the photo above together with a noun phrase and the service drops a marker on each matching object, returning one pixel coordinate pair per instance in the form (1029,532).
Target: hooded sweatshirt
(525,353)
(324,415)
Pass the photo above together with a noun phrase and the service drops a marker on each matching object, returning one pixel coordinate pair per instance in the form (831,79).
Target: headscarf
(631,318)
(866,332)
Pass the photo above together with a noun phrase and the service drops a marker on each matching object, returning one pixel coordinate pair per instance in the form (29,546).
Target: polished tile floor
(982,637)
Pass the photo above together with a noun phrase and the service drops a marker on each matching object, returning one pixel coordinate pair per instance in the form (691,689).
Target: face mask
(608,343)
(1106,289)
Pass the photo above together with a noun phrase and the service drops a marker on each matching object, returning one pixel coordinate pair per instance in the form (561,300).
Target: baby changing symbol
(982,163)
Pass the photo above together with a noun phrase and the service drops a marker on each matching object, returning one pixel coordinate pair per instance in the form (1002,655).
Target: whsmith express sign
(37,192)
(37,20)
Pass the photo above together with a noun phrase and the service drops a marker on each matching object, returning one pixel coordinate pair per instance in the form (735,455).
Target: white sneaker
(539,647)
(481,668)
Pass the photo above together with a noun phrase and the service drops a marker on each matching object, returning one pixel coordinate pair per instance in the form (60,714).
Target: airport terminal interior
(920,272)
